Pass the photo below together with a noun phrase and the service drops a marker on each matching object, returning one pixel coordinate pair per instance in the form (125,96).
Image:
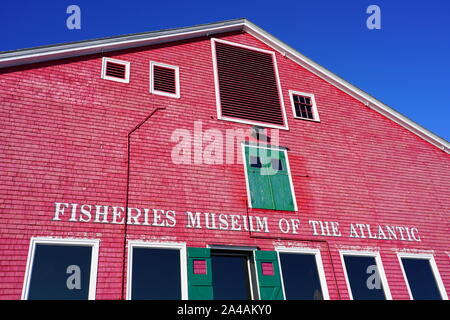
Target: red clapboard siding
(164,79)
(64,139)
(248,84)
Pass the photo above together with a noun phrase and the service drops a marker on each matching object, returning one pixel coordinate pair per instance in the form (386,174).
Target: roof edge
(347,87)
(86,47)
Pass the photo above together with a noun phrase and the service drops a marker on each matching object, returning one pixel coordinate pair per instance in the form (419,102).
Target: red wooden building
(243,170)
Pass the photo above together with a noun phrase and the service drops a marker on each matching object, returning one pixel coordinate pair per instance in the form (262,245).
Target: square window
(304,106)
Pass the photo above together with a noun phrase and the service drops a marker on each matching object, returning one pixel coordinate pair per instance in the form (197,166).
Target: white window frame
(288,168)
(313,101)
(158,245)
(127,70)
(378,261)
(217,90)
(177,80)
(320,269)
(434,269)
(94,243)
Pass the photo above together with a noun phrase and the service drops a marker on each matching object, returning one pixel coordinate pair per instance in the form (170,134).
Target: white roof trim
(19,57)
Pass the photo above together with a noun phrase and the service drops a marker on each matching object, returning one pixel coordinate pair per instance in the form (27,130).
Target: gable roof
(80,48)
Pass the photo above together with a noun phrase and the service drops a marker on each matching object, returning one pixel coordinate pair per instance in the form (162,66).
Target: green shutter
(199,285)
(281,186)
(269,285)
(269,188)
(258,180)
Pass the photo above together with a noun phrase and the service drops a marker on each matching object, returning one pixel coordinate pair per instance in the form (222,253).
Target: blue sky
(406,64)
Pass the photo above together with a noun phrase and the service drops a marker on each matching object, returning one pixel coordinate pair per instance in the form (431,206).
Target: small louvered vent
(248,84)
(164,79)
(115,70)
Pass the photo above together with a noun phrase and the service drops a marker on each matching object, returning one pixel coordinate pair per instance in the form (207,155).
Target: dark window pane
(308,100)
(358,275)
(156,274)
(300,277)
(297,110)
(302,99)
(49,275)
(303,110)
(421,279)
(277,165)
(230,277)
(309,110)
(255,162)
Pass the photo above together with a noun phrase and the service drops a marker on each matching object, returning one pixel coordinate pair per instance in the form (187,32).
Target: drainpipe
(123,295)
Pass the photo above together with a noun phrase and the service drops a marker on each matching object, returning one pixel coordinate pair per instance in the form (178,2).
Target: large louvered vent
(248,85)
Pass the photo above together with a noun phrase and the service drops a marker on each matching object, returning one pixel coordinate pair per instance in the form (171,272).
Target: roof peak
(86,47)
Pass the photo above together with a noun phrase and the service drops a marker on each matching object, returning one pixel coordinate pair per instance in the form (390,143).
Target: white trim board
(20,57)
(94,243)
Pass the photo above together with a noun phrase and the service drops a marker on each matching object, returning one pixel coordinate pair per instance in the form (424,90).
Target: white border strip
(94,243)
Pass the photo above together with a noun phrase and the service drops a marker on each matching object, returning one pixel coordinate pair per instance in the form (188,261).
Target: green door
(268,179)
